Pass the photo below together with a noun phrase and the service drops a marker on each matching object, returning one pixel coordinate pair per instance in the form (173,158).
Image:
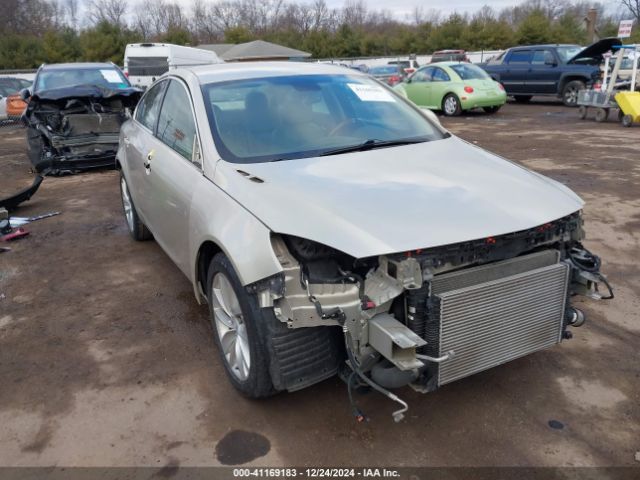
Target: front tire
(137,229)
(241,343)
(451,105)
(570,92)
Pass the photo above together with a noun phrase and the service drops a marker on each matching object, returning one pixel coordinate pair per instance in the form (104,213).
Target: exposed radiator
(494,313)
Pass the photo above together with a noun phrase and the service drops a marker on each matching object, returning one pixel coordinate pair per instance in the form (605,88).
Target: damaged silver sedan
(74,115)
(334,228)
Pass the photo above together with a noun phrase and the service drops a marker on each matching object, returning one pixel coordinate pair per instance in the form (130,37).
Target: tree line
(37,31)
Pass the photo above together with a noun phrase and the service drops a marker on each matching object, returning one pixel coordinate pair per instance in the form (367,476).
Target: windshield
(469,72)
(391,70)
(567,53)
(108,77)
(284,118)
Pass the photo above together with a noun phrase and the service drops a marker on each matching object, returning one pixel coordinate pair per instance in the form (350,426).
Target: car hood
(596,49)
(88,92)
(397,199)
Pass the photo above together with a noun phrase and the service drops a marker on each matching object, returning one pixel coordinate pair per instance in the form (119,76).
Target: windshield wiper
(371,144)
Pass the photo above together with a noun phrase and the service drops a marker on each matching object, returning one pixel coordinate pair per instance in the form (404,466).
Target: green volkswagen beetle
(453,87)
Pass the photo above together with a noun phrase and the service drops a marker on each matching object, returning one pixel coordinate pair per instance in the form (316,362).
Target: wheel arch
(570,77)
(205,254)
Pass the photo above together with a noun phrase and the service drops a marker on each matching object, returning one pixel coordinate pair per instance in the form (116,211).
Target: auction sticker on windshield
(111,76)
(371,93)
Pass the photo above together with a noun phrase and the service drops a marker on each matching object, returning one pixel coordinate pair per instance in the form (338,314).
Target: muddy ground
(106,358)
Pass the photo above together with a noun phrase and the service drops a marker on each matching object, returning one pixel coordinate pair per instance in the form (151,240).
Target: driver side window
(422,75)
(176,125)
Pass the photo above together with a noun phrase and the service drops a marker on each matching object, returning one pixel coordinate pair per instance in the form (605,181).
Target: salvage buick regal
(333,227)
(74,115)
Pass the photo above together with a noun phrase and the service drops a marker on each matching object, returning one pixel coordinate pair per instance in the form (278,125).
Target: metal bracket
(447,356)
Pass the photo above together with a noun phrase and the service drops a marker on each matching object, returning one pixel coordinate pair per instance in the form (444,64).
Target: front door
(419,87)
(174,171)
(138,143)
(545,74)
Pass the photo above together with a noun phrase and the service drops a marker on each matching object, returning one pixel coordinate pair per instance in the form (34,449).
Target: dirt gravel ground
(106,359)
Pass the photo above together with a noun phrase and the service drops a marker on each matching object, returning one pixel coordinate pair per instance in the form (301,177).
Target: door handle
(147,162)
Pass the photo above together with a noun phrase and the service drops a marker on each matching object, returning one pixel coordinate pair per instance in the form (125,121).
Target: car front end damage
(74,129)
(426,318)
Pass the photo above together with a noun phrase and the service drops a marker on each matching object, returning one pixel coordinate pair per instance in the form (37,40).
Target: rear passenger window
(521,56)
(176,126)
(147,112)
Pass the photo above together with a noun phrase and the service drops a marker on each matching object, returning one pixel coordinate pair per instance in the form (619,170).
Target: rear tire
(522,98)
(491,110)
(570,92)
(451,105)
(137,229)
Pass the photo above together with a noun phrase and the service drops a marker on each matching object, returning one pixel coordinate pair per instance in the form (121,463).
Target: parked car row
(450,84)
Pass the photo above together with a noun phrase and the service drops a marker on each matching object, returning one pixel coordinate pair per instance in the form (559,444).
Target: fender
(245,240)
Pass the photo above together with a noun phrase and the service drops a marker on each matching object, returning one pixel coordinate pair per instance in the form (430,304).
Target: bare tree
(111,11)
(71,11)
(633,6)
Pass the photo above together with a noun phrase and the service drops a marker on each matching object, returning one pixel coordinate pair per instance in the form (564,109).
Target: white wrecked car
(332,226)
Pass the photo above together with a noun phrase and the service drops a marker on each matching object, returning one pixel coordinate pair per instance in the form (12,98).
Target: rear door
(516,70)
(138,143)
(174,170)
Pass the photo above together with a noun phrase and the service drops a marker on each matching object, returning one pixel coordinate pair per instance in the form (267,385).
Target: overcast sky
(402,7)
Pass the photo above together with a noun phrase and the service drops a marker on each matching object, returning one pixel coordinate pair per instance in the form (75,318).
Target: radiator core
(495,313)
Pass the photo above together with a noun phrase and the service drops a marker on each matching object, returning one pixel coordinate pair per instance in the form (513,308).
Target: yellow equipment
(629,104)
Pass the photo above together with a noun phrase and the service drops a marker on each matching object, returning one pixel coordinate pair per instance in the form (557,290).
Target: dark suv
(559,70)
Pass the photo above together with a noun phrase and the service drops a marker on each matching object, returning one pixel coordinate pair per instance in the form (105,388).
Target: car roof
(79,65)
(546,45)
(449,51)
(222,72)
(449,64)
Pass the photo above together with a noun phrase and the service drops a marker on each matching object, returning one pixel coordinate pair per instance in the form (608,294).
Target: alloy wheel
(127,205)
(450,105)
(231,327)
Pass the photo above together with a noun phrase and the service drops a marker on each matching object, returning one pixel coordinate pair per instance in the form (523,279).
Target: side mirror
(25,94)
(1,96)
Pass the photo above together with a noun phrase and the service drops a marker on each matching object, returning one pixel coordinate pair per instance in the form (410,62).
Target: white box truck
(144,62)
